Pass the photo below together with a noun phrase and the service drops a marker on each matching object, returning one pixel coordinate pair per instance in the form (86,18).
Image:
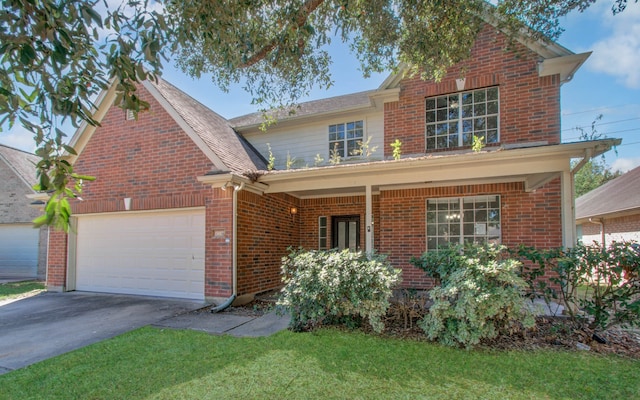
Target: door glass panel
(342,226)
(353,229)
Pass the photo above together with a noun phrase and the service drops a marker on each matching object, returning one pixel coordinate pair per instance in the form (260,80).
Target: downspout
(600,221)
(234,250)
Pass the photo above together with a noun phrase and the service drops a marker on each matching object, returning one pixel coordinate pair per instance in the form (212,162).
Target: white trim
(565,66)
(155,210)
(368,221)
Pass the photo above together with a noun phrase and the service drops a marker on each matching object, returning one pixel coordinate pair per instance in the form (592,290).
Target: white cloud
(18,138)
(625,164)
(618,53)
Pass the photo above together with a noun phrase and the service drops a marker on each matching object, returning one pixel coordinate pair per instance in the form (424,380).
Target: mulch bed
(551,333)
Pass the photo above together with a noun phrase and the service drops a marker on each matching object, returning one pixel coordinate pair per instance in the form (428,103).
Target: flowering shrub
(480,296)
(600,286)
(323,287)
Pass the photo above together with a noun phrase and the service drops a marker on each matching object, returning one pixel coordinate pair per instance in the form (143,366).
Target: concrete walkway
(228,324)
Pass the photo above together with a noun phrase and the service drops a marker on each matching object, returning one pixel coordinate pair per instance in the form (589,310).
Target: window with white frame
(345,139)
(457,220)
(322,233)
(454,119)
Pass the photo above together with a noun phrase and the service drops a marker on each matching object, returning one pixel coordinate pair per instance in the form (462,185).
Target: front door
(346,232)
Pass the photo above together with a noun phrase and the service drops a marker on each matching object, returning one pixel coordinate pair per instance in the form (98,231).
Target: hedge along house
(186,206)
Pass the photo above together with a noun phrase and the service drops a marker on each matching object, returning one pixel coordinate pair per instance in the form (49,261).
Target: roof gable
(213,135)
(22,163)
(618,195)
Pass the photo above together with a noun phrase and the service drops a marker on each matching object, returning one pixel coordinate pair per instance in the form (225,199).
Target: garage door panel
(159,254)
(19,250)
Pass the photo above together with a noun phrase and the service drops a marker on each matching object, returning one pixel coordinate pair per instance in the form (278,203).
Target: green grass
(151,363)
(18,289)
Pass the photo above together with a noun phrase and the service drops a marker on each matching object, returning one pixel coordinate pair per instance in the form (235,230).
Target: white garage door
(18,250)
(154,253)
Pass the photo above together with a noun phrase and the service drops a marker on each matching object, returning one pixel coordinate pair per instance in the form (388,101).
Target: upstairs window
(345,138)
(453,120)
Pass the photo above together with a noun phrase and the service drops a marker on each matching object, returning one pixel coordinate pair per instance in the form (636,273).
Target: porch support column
(568,210)
(368,221)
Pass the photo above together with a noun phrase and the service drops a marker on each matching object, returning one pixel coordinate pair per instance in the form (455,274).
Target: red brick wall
(311,209)
(218,273)
(530,218)
(57,260)
(266,229)
(154,162)
(529,105)
(616,229)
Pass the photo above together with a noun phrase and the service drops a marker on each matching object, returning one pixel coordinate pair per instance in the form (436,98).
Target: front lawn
(151,363)
(19,289)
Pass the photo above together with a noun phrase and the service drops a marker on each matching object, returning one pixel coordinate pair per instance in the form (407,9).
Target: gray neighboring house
(23,249)
(611,211)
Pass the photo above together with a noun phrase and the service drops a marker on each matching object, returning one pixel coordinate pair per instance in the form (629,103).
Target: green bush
(325,287)
(480,296)
(599,286)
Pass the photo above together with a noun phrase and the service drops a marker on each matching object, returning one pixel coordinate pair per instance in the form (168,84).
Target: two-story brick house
(186,205)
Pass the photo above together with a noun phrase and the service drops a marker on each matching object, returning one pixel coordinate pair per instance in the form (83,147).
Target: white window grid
(322,233)
(345,138)
(457,220)
(453,120)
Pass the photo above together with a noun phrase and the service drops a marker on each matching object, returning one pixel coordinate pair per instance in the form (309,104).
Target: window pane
(492,122)
(431,116)
(492,107)
(431,229)
(432,244)
(351,126)
(431,143)
(338,147)
(442,129)
(467,125)
(442,217)
(469,216)
(353,147)
(453,141)
(455,229)
(479,124)
(479,96)
(492,93)
(431,205)
(443,229)
(431,130)
(481,216)
(359,125)
(441,142)
(431,104)
(442,102)
(467,139)
(467,111)
(453,128)
(442,115)
(479,109)
(467,98)
(492,136)
(468,229)
(431,217)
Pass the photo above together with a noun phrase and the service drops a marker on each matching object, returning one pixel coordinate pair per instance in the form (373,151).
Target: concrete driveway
(49,324)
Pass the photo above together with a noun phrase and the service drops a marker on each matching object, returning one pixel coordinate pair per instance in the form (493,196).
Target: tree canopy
(56,55)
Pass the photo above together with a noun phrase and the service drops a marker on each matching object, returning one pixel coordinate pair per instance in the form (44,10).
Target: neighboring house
(611,212)
(23,249)
(185,205)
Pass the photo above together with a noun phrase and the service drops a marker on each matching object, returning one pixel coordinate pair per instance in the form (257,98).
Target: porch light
(293,210)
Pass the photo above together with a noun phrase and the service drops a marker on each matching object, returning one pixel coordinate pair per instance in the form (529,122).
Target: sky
(608,84)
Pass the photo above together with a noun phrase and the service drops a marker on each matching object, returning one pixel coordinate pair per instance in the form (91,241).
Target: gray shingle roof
(620,194)
(234,151)
(309,108)
(21,162)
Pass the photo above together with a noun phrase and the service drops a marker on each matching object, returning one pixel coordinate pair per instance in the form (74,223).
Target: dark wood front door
(346,232)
